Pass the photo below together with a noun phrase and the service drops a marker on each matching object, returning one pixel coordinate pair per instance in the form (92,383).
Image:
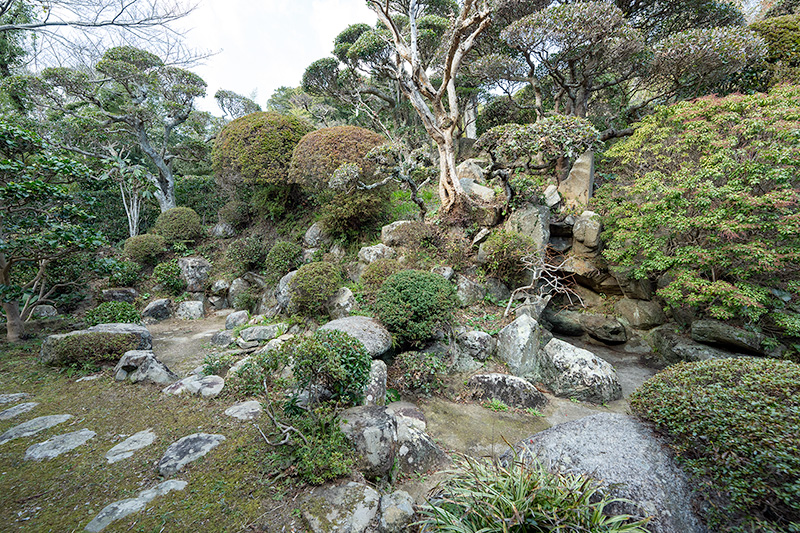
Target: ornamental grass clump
(734,425)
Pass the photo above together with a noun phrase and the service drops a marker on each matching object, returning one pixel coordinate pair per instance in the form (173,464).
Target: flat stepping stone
(123,508)
(17,410)
(245,410)
(11,398)
(57,445)
(185,450)
(32,427)
(125,449)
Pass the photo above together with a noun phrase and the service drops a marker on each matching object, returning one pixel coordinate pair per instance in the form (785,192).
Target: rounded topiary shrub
(413,303)
(283,257)
(144,249)
(321,152)
(504,251)
(376,273)
(179,224)
(313,285)
(734,426)
(170,276)
(113,312)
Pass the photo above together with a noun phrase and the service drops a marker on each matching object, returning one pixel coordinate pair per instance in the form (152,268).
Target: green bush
(413,303)
(113,312)
(283,257)
(504,253)
(705,199)
(783,41)
(489,498)
(333,360)
(93,348)
(235,213)
(376,273)
(199,193)
(170,276)
(144,249)
(352,214)
(416,372)
(313,285)
(328,454)
(125,274)
(180,224)
(259,368)
(734,426)
(245,254)
(247,299)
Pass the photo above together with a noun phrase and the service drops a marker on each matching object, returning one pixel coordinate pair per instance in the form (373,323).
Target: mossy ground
(232,489)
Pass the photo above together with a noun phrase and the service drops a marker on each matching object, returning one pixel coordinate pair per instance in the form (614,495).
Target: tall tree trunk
(450,188)
(15,327)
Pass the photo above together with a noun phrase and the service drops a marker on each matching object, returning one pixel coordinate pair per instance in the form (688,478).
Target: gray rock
(481,237)
(578,187)
(573,372)
(468,292)
(591,272)
(445,271)
(205,386)
(185,450)
(120,294)
(236,319)
(220,287)
(14,397)
(533,306)
(309,254)
(142,366)
(551,196)
(190,310)
(120,509)
(511,390)
(375,389)
(560,244)
(476,344)
(375,338)
(349,508)
(218,303)
(338,253)
(564,322)
(157,310)
(141,332)
(604,328)
(519,344)
(238,286)
(246,345)
(44,311)
(471,170)
(55,446)
(223,230)
(195,272)
(586,233)
(638,289)
(390,236)
(640,314)
(13,412)
(316,237)
(263,333)
(374,435)
(341,304)
(32,427)
(533,221)
(354,271)
(397,512)
(723,335)
(417,451)
(245,410)
(369,254)
(479,192)
(125,449)
(497,290)
(407,414)
(222,338)
(672,347)
(283,293)
(255,280)
(629,459)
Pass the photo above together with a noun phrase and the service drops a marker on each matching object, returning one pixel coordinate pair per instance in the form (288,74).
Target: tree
(234,105)
(40,223)
(132,96)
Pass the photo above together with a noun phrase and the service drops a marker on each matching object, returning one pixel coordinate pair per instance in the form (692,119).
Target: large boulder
(586,234)
(479,192)
(373,433)
(375,389)
(236,319)
(316,237)
(628,459)
(533,221)
(391,234)
(519,344)
(469,292)
(591,272)
(142,366)
(341,304)
(237,287)
(283,292)
(157,310)
(511,390)
(478,345)
(672,347)
(640,314)
(263,333)
(195,271)
(563,321)
(375,338)
(190,310)
(573,372)
(348,508)
(369,254)
(604,328)
(120,294)
(143,338)
(730,337)
(470,170)
(397,512)
(578,187)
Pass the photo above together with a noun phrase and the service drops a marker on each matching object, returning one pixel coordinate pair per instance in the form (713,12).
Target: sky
(265,44)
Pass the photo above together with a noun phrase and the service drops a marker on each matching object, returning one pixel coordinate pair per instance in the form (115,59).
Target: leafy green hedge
(179,224)
(734,424)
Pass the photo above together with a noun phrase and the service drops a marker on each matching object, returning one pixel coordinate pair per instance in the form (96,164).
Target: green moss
(144,249)
(113,312)
(179,224)
(313,285)
(734,426)
(92,348)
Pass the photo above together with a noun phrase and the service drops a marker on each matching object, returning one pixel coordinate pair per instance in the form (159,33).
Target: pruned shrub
(734,426)
(416,372)
(283,257)
(259,368)
(236,213)
(245,254)
(179,224)
(376,273)
(313,285)
(144,249)
(124,274)
(170,276)
(92,348)
(349,214)
(413,303)
(504,253)
(113,312)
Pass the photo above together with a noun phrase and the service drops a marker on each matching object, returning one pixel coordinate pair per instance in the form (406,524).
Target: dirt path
(182,344)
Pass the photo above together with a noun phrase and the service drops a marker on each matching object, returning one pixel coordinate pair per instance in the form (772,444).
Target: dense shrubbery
(245,254)
(124,274)
(376,273)
(170,276)
(734,425)
(235,213)
(112,312)
(416,372)
(706,199)
(258,368)
(199,193)
(504,253)
(88,349)
(783,40)
(283,257)
(179,224)
(144,249)
(350,214)
(313,285)
(413,303)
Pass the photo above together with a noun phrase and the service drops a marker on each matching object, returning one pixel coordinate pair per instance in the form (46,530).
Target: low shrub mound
(113,312)
(235,213)
(413,303)
(313,285)
(144,249)
(245,254)
(376,273)
(91,349)
(735,427)
(179,224)
(283,257)
(416,372)
(504,253)
(170,276)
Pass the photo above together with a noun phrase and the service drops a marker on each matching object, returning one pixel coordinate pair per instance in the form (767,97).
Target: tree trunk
(15,327)
(166,200)
(449,187)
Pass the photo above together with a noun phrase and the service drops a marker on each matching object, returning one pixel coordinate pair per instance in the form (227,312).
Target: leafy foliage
(170,276)
(413,303)
(707,197)
(416,372)
(236,213)
(733,425)
(283,257)
(199,193)
(313,285)
(124,274)
(504,253)
(261,367)
(245,254)
(93,348)
(144,249)
(113,312)
(376,273)
(179,224)
(328,453)
(782,35)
